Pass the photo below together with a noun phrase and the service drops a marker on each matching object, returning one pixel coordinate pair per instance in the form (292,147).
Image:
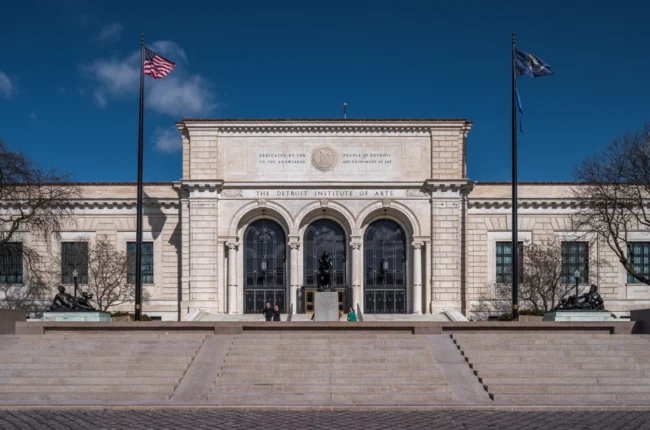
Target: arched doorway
(324,235)
(264,266)
(384,267)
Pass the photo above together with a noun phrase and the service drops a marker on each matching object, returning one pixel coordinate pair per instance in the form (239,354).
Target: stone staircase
(559,367)
(294,367)
(94,367)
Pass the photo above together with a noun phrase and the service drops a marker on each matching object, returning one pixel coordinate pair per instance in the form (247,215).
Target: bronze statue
(62,301)
(324,273)
(83,302)
(589,301)
(65,302)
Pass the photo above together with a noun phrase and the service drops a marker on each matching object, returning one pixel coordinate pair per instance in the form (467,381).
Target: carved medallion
(231,193)
(323,158)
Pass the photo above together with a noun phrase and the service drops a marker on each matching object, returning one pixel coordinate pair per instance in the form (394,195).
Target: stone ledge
(424,327)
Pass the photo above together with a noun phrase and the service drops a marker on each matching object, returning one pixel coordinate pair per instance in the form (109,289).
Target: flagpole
(515,247)
(138,233)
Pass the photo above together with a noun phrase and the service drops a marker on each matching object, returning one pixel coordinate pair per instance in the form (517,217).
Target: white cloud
(60,89)
(81,92)
(179,94)
(110,33)
(167,140)
(169,50)
(32,116)
(6,87)
(100,99)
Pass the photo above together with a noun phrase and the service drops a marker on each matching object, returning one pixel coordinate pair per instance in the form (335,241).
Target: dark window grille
(384,250)
(638,254)
(147,262)
(11,263)
(74,255)
(325,235)
(575,256)
(504,262)
(264,265)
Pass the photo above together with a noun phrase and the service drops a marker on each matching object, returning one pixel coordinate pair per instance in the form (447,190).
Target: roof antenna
(345,111)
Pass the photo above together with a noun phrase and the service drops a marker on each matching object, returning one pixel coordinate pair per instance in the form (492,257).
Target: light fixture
(75,274)
(384,264)
(577,274)
(263,265)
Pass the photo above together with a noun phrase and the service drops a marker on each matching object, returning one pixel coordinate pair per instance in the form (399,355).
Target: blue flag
(520,108)
(529,64)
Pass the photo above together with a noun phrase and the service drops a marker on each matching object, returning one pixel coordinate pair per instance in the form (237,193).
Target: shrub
(143,317)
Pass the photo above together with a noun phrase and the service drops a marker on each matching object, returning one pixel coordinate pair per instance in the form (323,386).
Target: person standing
(268,312)
(276,313)
(352,315)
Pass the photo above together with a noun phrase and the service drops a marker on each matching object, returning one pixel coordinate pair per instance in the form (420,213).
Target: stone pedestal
(81,316)
(326,306)
(578,316)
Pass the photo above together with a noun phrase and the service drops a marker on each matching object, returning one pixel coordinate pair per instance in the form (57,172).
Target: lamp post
(576,274)
(75,275)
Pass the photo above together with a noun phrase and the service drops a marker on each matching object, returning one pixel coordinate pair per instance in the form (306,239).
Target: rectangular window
(11,263)
(74,256)
(638,255)
(575,256)
(147,262)
(504,262)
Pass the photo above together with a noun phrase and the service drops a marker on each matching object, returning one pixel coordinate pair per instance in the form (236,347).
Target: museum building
(259,202)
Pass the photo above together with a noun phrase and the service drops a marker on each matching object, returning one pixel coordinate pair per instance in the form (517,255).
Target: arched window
(384,263)
(264,265)
(324,235)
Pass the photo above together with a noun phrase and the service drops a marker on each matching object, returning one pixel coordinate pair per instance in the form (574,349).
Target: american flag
(155,65)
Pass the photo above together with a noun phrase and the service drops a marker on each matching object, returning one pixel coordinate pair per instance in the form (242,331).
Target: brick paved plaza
(214,419)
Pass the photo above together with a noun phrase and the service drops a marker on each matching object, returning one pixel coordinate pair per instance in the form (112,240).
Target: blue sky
(69,96)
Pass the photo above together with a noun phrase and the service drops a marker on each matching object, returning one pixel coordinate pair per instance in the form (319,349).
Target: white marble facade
(352,172)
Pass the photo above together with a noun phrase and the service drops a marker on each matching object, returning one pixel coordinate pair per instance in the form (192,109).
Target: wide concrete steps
(318,367)
(92,368)
(534,367)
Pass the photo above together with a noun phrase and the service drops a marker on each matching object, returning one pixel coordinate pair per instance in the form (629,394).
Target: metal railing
(359,314)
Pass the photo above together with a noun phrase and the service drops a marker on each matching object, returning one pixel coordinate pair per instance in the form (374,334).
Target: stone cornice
(213,185)
(537,203)
(448,185)
(324,125)
(322,184)
(108,203)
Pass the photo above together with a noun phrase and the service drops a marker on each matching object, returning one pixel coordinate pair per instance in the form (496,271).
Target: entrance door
(264,266)
(384,266)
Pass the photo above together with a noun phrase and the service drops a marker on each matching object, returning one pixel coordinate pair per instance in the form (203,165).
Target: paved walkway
(214,419)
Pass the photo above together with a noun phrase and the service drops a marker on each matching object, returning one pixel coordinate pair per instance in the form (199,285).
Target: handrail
(290,314)
(359,314)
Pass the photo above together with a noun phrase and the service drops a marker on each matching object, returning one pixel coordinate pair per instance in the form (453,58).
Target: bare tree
(107,275)
(36,201)
(615,195)
(541,284)
(543,281)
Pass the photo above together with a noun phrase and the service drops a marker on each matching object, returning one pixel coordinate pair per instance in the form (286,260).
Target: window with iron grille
(11,263)
(147,262)
(504,262)
(575,256)
(265,275)
(384,249)
(638,255)
(74,256)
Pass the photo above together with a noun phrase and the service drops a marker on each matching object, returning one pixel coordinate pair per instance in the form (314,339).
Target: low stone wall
(8,320)
(642,319)
(622,327)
